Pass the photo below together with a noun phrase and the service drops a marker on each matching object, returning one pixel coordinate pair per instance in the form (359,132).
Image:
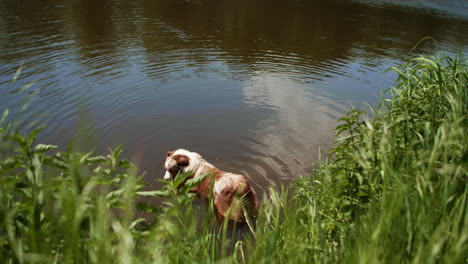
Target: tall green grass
(392,189)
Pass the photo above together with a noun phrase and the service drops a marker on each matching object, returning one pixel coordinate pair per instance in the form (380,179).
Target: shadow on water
(254,86)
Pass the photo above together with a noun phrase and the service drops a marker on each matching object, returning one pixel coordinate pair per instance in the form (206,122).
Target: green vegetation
(393,188)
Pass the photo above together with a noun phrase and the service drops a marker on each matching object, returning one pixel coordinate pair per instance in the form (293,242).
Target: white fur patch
(167,176)
(229,180)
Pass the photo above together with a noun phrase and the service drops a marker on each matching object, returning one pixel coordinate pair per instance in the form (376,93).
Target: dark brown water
(254,86)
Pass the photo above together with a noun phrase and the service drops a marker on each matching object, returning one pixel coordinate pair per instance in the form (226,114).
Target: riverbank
(392,189)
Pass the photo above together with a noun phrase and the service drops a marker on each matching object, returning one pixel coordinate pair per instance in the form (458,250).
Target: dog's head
(180,161)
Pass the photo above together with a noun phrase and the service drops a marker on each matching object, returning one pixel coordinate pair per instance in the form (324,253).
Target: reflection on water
(254,86)
(302,116)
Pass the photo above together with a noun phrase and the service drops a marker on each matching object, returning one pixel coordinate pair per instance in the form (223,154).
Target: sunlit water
(254,86)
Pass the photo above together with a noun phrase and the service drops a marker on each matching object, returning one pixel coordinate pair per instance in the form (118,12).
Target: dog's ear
(170,153)
(182,160)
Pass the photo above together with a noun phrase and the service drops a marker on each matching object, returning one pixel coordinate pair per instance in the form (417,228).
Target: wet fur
(232,192)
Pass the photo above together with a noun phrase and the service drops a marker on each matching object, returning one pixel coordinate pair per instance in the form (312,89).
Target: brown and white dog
(232,192)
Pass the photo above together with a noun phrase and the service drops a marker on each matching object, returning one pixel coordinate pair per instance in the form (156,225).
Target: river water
(255,86)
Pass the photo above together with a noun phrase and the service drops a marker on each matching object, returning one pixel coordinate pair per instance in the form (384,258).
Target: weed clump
(394,187)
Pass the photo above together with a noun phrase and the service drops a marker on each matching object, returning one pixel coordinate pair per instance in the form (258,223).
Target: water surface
(254,86)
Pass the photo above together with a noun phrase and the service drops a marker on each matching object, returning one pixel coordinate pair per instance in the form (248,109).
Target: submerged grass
(392,189)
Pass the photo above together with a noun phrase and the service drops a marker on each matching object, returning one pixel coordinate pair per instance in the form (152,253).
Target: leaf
(10,163)
(183,200)
(84,158)
(125,164)
(181,177)
(154,193)
(341,128)
(44,148)
(359,178)
(117,151)
(55,162)
(30,175)
(33,134)
(189,184)
(114,194)
(136,222)
(97,159)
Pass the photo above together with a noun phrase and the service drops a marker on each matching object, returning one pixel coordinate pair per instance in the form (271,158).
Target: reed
(393,188)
